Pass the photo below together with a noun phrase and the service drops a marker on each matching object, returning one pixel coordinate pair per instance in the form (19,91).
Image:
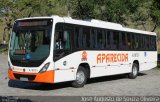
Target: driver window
(62,40)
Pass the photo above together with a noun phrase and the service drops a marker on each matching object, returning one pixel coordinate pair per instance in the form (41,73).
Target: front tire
(134,72)
(81,78)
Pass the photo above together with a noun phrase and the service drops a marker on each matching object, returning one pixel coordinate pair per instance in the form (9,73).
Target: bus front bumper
(45,77)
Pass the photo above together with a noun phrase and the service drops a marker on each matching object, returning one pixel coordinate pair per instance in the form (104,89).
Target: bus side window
(86,37)
(76,31)
(135,42)
(80,37)
(95,38)
(145,42)
(139,39)
(115,43)
(120,41)
(83,37)
(100,44)
(123,44)
(148,42)
(153,43)
(125,41)
(108,40)
(58,36)
(62,37)
(92,37)
(142,42)
(66,39)
(129,41)
(103,39)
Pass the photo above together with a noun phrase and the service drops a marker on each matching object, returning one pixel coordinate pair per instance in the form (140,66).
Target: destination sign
(32,23)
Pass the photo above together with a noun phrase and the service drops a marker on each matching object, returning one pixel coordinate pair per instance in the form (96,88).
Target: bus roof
(93,23)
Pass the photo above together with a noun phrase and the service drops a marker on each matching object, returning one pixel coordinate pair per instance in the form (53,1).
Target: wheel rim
(80,77)
(135,71)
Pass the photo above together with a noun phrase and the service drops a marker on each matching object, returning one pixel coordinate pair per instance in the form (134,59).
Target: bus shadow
(112,78)
(37,86)
(45,87)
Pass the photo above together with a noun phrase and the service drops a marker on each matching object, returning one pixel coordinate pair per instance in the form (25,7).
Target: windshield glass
(30,40)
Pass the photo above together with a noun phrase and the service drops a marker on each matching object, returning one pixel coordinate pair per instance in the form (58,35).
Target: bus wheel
(81,78)
(134,72)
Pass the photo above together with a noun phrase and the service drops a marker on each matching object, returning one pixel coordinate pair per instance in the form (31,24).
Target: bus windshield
(30,41)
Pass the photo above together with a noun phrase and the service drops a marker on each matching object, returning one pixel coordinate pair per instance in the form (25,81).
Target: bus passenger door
(62,48)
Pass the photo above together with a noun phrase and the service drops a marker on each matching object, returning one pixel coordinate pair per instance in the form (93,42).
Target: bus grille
(29,77)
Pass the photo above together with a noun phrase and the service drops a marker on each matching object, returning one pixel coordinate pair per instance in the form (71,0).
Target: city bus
(59,49)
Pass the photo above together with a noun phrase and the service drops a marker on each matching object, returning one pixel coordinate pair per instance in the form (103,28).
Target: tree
(80,9)
(141,17)
(6,14)
(10,10)
(107,10)
(139,12)
(112,11)
(155,13)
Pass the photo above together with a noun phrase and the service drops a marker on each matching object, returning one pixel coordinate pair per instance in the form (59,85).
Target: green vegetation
(139,14)
(4,50)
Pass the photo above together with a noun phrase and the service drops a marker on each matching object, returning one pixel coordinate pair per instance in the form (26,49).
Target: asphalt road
(146,84)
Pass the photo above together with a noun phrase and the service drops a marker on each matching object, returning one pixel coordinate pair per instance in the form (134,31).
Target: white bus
(59,49)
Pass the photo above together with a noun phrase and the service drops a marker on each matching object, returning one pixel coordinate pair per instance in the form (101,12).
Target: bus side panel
(96,67)
(66,67)
(101,68)
(64,75)
(148,60)
(105,66)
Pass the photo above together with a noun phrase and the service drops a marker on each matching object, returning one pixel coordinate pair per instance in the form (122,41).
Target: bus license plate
(23,79)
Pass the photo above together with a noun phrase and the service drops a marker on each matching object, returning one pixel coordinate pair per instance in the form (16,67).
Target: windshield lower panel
(30,42)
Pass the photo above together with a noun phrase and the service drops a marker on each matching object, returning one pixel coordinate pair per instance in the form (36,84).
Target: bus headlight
(44,68)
